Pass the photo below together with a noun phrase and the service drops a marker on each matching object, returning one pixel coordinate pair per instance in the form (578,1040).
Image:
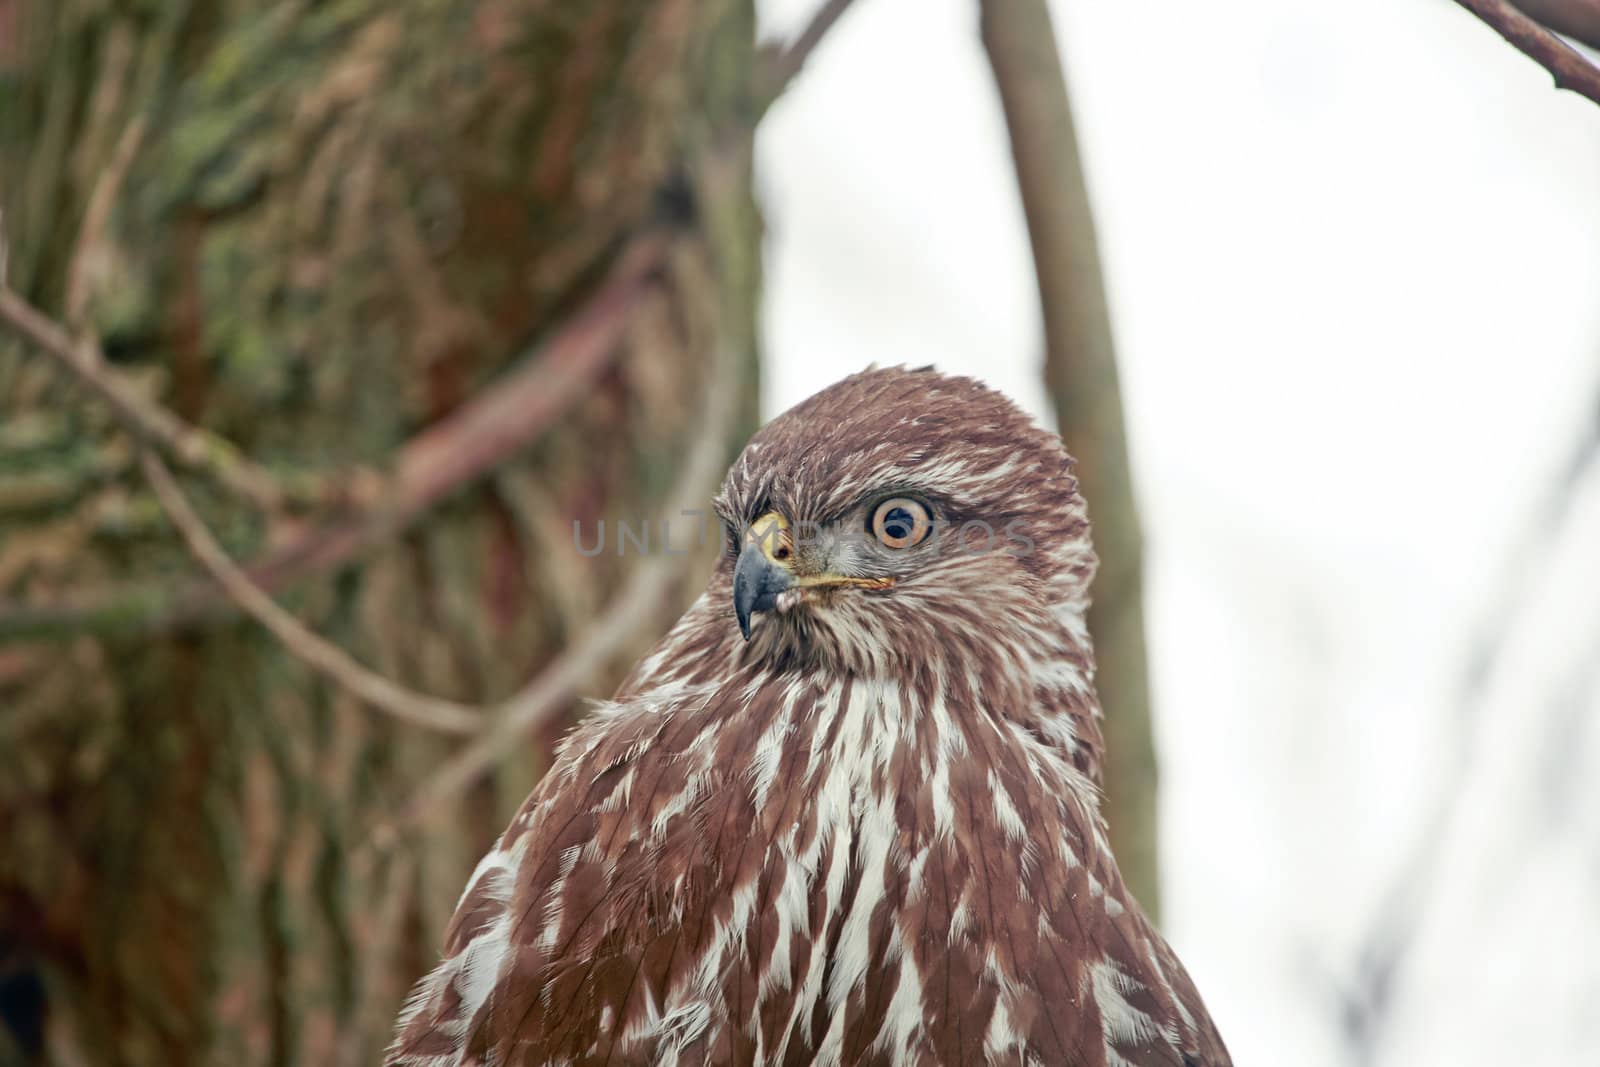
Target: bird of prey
(847,811)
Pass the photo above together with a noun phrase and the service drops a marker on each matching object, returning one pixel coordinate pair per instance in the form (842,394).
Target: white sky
(1353,251)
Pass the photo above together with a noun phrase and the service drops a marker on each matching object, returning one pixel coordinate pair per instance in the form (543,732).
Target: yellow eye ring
(901,522)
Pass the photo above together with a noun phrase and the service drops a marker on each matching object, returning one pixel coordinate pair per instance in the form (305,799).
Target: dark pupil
(898,524)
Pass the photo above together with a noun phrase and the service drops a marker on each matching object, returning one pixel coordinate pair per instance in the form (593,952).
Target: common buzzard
(847,811)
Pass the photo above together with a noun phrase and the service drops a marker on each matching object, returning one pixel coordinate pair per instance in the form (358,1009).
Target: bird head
(895,512)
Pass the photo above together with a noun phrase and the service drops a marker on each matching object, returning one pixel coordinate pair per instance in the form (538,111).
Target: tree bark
(337,224)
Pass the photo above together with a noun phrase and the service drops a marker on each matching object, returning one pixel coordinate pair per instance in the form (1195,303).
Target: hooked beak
(757,581)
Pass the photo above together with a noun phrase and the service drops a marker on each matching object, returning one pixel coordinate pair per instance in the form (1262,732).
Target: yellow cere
(771,532)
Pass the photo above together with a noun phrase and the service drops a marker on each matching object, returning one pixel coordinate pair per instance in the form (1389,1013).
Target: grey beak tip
(756,583)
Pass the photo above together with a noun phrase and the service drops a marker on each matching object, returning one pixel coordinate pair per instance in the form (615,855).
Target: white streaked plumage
(870,833)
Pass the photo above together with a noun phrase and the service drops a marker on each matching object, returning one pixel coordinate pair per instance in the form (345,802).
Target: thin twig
(551,691)
(332,662)
(144,418)
(619,623)
(90,247)
(1367,1000)
(783,64)
(498,423)
(1571,70)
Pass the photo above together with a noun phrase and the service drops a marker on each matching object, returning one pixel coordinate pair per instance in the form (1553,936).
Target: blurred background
(403,291)
(1353,258)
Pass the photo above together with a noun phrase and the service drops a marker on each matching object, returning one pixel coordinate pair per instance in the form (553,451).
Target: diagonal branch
(534,706)
(147,420)
(1571,70)
(782,64)
(622,619)
(1578,19)
(330,661)
(496,424)
(442,459)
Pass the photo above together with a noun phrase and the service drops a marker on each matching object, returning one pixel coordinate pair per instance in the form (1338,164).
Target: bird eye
(901,522)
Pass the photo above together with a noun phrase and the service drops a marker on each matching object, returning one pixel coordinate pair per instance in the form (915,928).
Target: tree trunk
(315,229)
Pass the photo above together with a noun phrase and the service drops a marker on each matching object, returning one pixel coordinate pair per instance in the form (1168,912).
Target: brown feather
(871,834)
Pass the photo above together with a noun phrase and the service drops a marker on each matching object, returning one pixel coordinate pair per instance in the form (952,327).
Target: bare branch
(512,413)
(1080,370)
(331,662)
(621,621)
(1572,70)
(496,424)
(1578,19)
(144,418)
(783,64)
